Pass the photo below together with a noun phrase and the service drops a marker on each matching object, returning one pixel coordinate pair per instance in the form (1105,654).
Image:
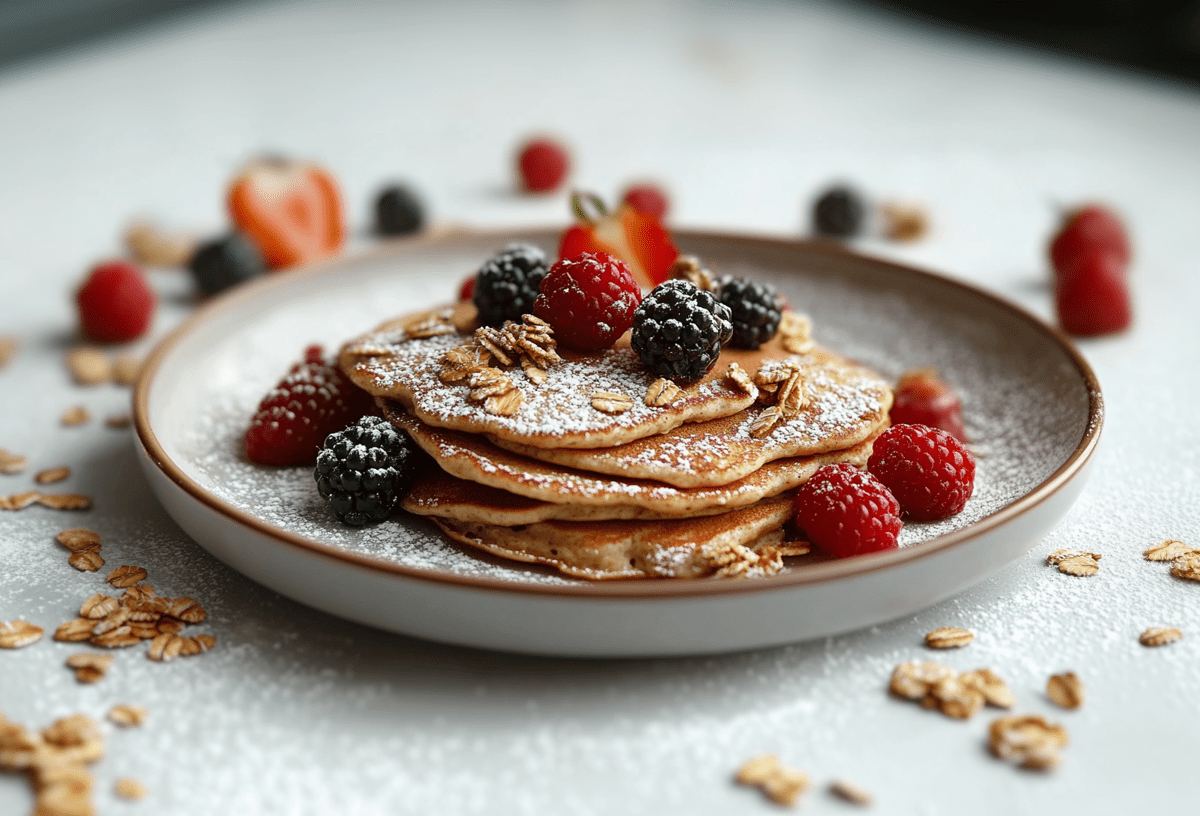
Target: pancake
(847,404)
(474,459)
(743,543)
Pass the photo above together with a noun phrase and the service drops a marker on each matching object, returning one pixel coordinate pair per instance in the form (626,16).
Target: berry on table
(312,401)
(839,212)
(115,303)
(225,262)
(1085,231)
(507,284)
(589,300)
(1093,299)
(291,210)
(930,473)
(846,511)
(543,164)
(755,309)
(398,211)
(678,330)
(364,470)
(648,199)
(466,289)
(636,238)
(923,398)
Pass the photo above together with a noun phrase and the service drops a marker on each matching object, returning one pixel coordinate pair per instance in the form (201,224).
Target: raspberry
(466,289)
(364,470)
(839,213)
(225,262)
(398,211)
(115,303)
(1085,231)
(922,398)
(308,404)
(648,199)
(1093,299)
(756,310)
(678,330)
(930,473)
(589,300)
(846,511)
(543,164)
(507,285)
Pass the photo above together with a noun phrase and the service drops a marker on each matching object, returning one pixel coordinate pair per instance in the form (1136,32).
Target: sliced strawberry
(291,210)
(636,238)
(311,402)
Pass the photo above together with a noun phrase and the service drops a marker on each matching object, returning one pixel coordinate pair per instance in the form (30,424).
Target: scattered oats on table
(89,667)
(851,793)
(18,633)
(1187,566)
(948,637)
(127,788)
(1075,562)
(76,415)
(12,463)
(1065,690)
(8,349)
(1167,550)
(52,475)
(781,785)
(89,365)
(1029,741)
(1159,636)
(127,716)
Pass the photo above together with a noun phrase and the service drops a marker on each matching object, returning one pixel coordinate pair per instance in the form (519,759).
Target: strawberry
(311,402)
(636,238)
(1093,298)
(291,210)
(1089,229)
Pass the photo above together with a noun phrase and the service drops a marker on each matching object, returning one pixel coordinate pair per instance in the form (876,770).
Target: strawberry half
(636,238)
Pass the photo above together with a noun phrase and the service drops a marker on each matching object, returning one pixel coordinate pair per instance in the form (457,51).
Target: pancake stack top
(591,463)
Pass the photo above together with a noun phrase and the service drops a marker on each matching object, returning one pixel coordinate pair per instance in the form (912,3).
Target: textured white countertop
(744,111)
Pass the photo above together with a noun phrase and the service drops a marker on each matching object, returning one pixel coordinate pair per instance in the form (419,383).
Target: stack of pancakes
(591,463)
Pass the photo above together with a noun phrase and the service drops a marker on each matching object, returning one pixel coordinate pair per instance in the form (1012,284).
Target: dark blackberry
(364,470)
(678,330)
(398,211)
(839,213)
(507,285)
(755,308)
(226,262)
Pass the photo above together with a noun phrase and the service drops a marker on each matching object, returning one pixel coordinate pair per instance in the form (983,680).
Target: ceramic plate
(1032,407)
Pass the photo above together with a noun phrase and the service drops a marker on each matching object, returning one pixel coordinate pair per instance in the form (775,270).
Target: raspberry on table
(507,285)
(589,300)
(1085,231)
(839,212)
(649,199)
(398,211)
(225,262)
(364,470)
(116,303)
(312,401)
(756,310)
(846,511)
(678,330)
(543,164)
(923,398)
(1093,298)
(930,473)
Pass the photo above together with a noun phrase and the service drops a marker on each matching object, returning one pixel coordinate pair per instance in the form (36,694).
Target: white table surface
(743,110)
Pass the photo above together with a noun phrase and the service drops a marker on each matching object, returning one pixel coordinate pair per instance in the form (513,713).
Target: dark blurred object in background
(1162,36)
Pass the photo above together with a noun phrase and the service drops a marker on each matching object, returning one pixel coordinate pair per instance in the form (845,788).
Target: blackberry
(839,213)
(398,211)
(678,330)
(507,285)
(756,310)
(364,470)
(225,262)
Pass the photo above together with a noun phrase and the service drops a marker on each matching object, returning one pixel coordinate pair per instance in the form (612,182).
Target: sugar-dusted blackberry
(507,285)
(755,308)
(225,262)
(839,212)
(364,470)
(678,330)
(398,211)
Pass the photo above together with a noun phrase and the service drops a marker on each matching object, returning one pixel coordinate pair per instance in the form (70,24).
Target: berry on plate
(846,511)
(507,284)
(364,470)
(312,401)
(115,303)
(291,210)
(649,199)
(756,310)
(1086,231)
(839,212)
(1093,298)
(589,300)
(636,238)
(678,330)
(398,211)
(225,262)
(923,398)
(930,473)
(543,164)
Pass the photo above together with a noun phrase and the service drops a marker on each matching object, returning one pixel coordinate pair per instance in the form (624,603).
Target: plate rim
(643,589)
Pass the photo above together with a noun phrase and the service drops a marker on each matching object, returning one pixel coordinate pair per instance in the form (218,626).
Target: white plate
(1032,405)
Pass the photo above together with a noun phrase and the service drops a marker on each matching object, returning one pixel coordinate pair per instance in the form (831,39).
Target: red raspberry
(543,164)
(648,199)
(923,398)
(846,511)
(115,303)
(589,300)
(466,290)
(929,472)
(311,402)
(1085,231)
(1093,299)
